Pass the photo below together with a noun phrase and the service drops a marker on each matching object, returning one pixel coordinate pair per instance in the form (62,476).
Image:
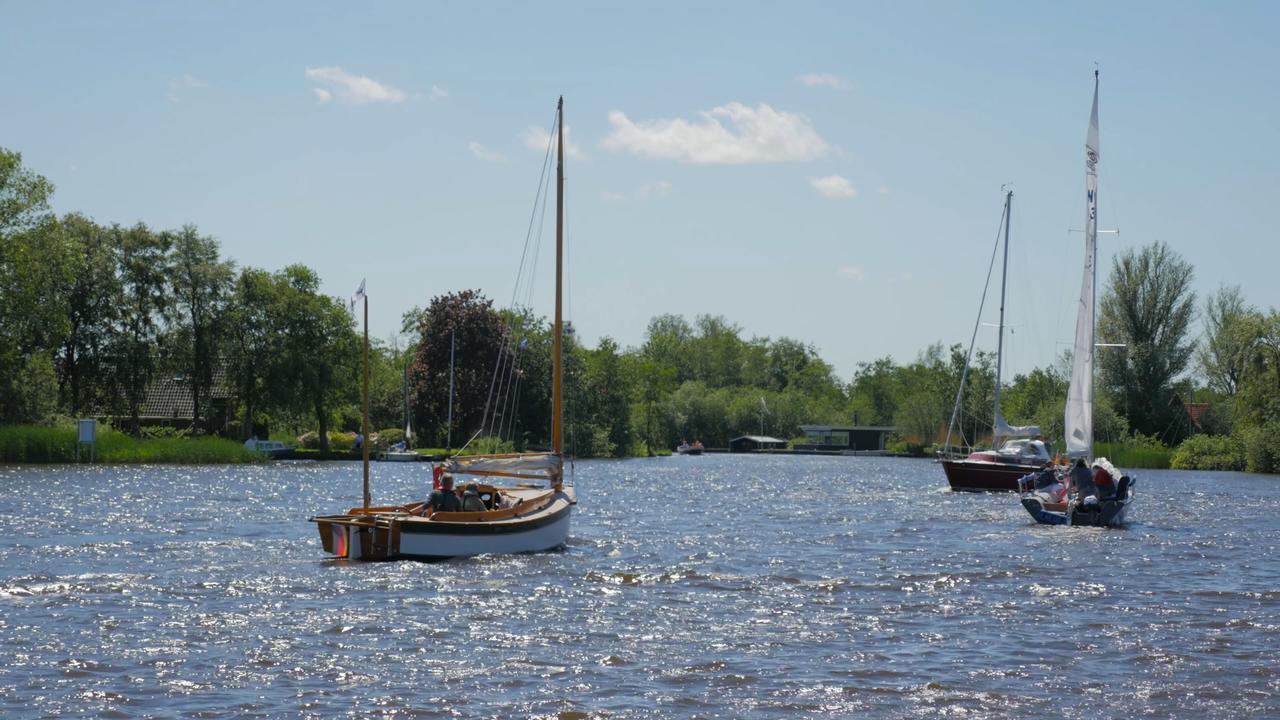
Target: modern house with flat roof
(754,443)
(866,438)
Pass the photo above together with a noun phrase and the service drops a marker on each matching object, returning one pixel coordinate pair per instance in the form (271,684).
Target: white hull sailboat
(1089,493)
(530,512)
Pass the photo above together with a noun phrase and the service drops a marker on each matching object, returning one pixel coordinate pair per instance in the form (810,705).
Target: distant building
(753,443)
(836,438)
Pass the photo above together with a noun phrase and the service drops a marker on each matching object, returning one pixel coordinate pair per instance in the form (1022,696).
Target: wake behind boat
(530,512)
(1099,495)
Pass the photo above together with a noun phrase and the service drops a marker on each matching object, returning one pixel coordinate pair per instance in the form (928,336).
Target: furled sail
(530,465)
(1079,412)
(1004,430)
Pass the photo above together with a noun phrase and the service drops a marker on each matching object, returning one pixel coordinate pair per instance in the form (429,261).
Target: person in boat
(1081,480)
(444,499)
(471,501)
(1104,478)
(1049,487)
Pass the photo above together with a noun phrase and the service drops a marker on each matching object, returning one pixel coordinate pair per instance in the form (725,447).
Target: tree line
(92,314)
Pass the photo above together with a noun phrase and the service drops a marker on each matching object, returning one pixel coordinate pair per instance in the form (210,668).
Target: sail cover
(1005,430)
(544,465)
(1079,412)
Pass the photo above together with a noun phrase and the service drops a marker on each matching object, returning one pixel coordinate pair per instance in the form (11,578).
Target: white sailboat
(1087,493)
(529,512)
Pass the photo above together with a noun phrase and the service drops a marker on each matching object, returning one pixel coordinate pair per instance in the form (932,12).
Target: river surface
(714,586)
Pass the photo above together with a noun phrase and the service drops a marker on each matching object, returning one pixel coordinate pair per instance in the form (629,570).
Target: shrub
(1262,448)
(384,439)
(1209,452)
(338,442)
(1136,452)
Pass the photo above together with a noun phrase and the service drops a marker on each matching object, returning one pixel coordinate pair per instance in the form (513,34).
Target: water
(715,586)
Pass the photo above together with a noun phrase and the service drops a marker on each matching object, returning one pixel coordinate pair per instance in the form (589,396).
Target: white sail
(1005,431)
(1079,412)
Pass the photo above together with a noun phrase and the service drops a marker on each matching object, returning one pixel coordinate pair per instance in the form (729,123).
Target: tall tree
(146,301)
(1148,306)
(1227,339)
(481,340)
(319,350)
(201,291)
(253,341)
(94,298)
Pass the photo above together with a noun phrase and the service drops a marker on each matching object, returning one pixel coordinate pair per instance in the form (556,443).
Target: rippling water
(715,586)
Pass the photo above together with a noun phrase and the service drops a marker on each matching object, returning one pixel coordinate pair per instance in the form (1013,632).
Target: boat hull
(1110,512)
(983,476)
(398,535)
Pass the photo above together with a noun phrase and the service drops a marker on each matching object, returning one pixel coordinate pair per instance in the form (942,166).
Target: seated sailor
(444,499)
(471,501)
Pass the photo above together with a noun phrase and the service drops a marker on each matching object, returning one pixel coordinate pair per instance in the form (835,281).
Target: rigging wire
(964,376)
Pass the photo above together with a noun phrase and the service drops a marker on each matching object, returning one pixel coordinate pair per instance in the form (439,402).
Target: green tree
(1227,339)
(145,302)
(94,298)
(1148,306)
(320,352)
(252,344)
(201,291)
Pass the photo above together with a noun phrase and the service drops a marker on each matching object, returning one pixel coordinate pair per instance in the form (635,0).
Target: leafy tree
(482,341)
(146,300)
(1227,339)
(1148,306)
(201,288)
(653,383)
(24,197)
(94,297)
(320,351)
(252,344)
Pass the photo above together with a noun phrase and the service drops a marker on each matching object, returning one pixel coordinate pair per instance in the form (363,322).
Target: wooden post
(364,446)
(557,389)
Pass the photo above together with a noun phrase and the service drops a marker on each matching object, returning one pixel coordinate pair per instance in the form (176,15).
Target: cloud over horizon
(822,80)
(833,186)
(485,153)
(730,134)
(332,82)
(536,138)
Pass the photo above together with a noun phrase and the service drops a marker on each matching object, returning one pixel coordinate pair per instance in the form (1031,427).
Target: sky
(829,172)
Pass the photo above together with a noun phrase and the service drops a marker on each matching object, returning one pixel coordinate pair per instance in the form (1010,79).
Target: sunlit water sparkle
(714,586)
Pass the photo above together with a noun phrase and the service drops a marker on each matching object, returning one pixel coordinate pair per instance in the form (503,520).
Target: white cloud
(438,93)
(822,80)
(178,86)
(655,188)
(536,138)
(853,272)
(753,135)
(485,153)
(833,186)
(336,83)
(882,190)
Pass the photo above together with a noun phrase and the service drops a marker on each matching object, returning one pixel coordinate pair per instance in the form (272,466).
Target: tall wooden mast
(557,382)
(364,425)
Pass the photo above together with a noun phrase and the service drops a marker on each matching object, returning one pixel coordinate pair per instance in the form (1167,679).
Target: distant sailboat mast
(1078,420)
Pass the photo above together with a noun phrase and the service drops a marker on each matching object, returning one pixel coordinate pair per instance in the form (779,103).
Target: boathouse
(756,443)
(866,438)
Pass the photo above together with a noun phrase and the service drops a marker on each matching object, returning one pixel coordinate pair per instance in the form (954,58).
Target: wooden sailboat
(1015,451)
(527,504)
(1093,491)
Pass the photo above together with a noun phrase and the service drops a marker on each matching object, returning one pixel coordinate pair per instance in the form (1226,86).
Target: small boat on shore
(531,512)
(1096,493)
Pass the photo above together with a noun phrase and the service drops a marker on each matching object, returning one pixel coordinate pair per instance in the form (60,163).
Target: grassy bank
(1135,455)
(32,444)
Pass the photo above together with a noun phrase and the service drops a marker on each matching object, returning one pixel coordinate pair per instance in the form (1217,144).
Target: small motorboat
(1078,495)
(686,449)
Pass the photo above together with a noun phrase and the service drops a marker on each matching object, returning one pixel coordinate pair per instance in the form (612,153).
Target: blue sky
(825,171)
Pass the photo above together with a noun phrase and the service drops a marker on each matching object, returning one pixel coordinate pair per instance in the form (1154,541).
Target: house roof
(169,397)
(843,428)
(758,438)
